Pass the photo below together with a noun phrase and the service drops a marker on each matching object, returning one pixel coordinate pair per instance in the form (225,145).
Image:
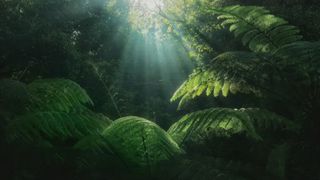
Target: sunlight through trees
(159,89)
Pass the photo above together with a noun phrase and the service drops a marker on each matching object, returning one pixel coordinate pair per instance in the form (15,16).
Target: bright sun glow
(143,14)
(149,6)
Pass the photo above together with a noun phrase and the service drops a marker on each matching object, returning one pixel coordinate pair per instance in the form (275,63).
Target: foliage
(57,95)
(55,125)
(260,30)
(226,122)
(137,142)
(281,69)
(56,111)
(50,127)
(229,72)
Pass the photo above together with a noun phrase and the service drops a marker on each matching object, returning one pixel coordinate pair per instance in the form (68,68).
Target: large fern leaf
(54,126)
(229,72)
(304,52)
(260,30)
(57,95)
(226,122)
(140,142)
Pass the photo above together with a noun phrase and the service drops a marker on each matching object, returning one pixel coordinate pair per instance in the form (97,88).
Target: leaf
(260,30)
(140,142)
(226,122)
(57,95)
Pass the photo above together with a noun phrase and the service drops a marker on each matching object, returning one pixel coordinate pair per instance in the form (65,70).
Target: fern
(95,144)
(57,95)
(134,141)
(229,72)
(260,30)
(140,142)
(51,126)
(300,53)
(227,122)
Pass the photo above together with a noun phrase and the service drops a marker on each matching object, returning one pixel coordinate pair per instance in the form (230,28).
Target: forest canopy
(159,89)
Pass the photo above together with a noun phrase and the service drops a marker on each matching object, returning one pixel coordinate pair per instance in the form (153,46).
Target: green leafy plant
(56,111)
(257,27)
(230,72)
(57,95)
(55,125)
(227,122)
(136,141)
(280,70)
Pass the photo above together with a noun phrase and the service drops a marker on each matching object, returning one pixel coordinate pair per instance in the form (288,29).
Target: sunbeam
(147,6)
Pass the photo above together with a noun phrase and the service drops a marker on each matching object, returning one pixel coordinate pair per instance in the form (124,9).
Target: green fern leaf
(39,126)
(228,72)
(300,52)
(57,95)
(260,30)
(227,122)
(140,142)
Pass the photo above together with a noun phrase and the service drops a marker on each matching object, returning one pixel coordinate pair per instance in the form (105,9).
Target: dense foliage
(81,78)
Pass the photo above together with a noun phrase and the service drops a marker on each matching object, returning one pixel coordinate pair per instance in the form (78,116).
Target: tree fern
(140,142)
(301,52)
(260,30)
(299,64)
(57,95)
(226,122)
(52,126)
(229,72)
(136,141)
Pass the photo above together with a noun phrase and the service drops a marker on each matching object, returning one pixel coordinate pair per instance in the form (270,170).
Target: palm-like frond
(260,30)
(303,54)
(57,95)
(300,65)
(96,144)
(51,125)
(226,122)
(300,50)
(140,142)
(229,72)
(132,141)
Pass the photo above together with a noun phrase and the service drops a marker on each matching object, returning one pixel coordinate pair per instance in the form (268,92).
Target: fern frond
(57,95)
(55,126)
(226,122)
(140,142)
(229,72)
(302,51)
(260,30)
(96,144)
